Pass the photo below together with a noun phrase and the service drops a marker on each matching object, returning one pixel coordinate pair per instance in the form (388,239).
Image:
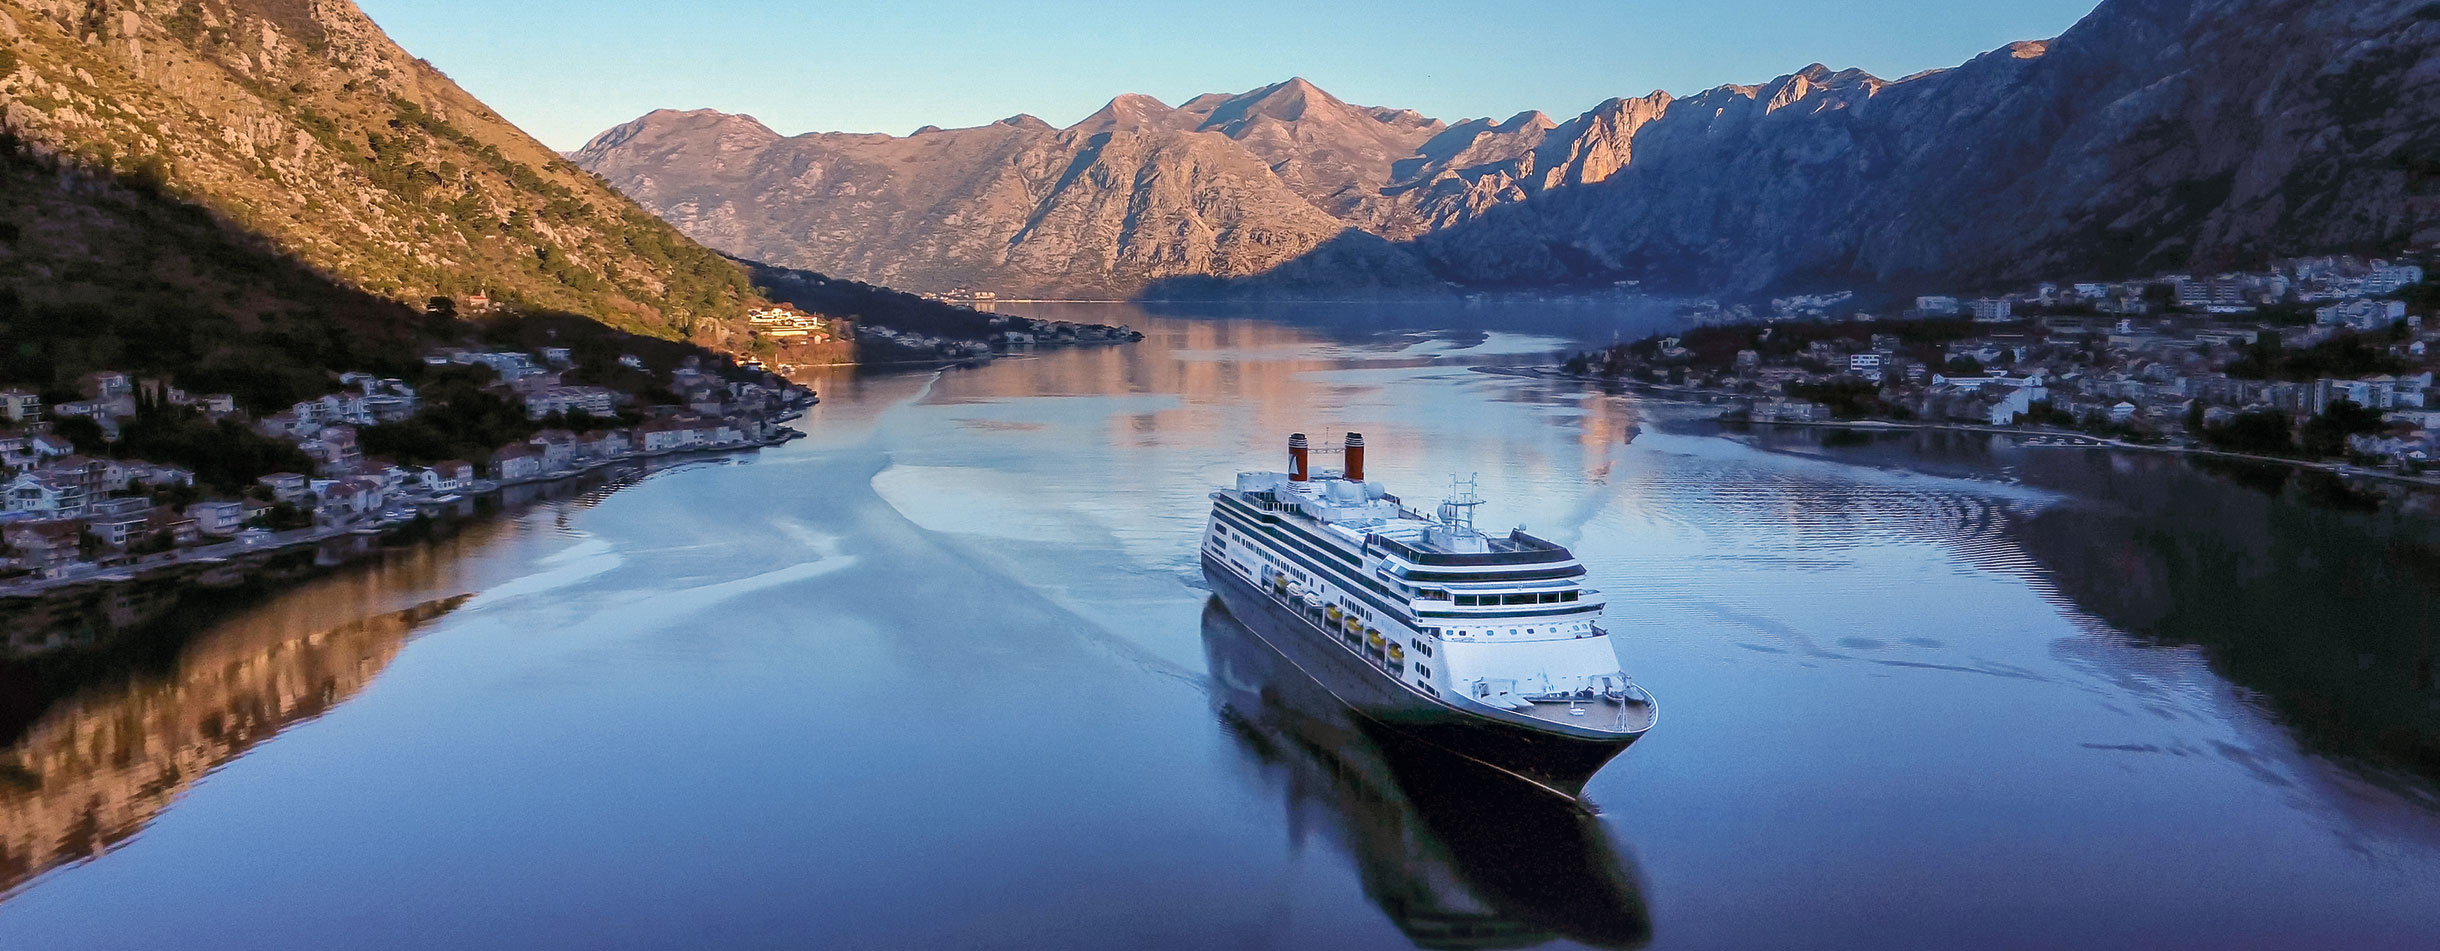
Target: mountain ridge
(305,124)
(2154,134)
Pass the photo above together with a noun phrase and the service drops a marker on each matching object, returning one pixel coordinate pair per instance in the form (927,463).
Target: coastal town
(83,500)
(2314,358)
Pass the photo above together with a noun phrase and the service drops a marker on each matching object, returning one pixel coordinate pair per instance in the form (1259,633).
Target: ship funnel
(1299,461)
(1355,457)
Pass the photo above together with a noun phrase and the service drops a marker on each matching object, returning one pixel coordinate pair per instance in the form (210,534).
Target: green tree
(2326,435)
(2261,432)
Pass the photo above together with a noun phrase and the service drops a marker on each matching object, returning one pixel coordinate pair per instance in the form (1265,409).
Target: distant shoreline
(2064,438)
(247,558)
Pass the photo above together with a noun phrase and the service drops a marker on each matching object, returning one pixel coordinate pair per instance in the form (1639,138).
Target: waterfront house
(664,435)
(181,529)
(451,476)
(1994,310)
(339,502)
(45,543)
(718,432)
(604,444)
(221,518)
(516,463)
(2014,400)
(119,522)
(392,477)
(558,448)
(1793,411)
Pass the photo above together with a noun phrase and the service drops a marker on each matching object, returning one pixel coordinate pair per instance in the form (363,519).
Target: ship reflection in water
(1458,856)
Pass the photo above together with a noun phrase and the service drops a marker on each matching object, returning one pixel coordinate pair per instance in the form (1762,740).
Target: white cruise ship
(1490,648)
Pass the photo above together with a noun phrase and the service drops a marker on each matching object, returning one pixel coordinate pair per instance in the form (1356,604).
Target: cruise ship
(1488,647)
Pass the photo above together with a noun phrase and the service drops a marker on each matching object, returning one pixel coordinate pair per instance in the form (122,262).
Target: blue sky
(567,69)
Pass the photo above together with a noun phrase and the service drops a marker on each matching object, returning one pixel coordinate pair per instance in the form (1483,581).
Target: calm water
(944,675)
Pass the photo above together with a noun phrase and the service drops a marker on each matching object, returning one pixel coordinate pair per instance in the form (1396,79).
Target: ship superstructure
(1491,647)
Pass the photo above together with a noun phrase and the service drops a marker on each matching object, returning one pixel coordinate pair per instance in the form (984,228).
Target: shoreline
(233,554)
(2066,438)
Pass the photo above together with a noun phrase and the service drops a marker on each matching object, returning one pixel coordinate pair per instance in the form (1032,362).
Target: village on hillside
(2316,358)
(83,495)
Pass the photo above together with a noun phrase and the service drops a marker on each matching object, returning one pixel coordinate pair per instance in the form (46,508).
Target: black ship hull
(1549,759)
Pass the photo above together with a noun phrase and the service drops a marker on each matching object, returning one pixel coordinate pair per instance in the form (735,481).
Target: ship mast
(1457,511)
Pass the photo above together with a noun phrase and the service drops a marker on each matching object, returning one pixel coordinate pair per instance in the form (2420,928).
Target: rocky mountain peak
(1129,112)
(2162,131)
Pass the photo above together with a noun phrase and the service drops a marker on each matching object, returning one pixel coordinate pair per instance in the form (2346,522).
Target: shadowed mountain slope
(2155,134)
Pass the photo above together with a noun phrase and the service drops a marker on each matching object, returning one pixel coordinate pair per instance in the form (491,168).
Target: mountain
(218,187)
(2154,134)
(1102,208)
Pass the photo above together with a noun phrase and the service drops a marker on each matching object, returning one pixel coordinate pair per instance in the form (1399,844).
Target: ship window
(1567,596)
(1550,597)
(1423,671)
(1465,601)
(1518,599)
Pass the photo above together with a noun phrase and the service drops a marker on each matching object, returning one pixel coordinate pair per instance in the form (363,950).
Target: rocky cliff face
(1135,194)
(300,123)
(2154,134)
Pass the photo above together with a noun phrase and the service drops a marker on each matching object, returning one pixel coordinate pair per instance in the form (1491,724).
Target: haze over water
(944,675)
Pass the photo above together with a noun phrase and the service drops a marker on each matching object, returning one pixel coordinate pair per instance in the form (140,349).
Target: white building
(2017,399)
(2361,314)
(2390,278)
(218,518)
(20,405)
(595,400)
(1992,310)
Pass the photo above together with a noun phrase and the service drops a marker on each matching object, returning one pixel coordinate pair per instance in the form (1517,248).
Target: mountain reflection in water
(1456,855)
(2317,600)
(96,768)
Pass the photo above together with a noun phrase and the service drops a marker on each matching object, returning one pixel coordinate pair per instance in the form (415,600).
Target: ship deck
(1599,713)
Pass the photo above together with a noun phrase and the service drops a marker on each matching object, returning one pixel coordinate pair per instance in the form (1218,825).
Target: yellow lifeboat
(1334,614)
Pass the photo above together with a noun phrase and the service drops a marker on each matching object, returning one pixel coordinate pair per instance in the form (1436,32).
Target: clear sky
(567,69)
